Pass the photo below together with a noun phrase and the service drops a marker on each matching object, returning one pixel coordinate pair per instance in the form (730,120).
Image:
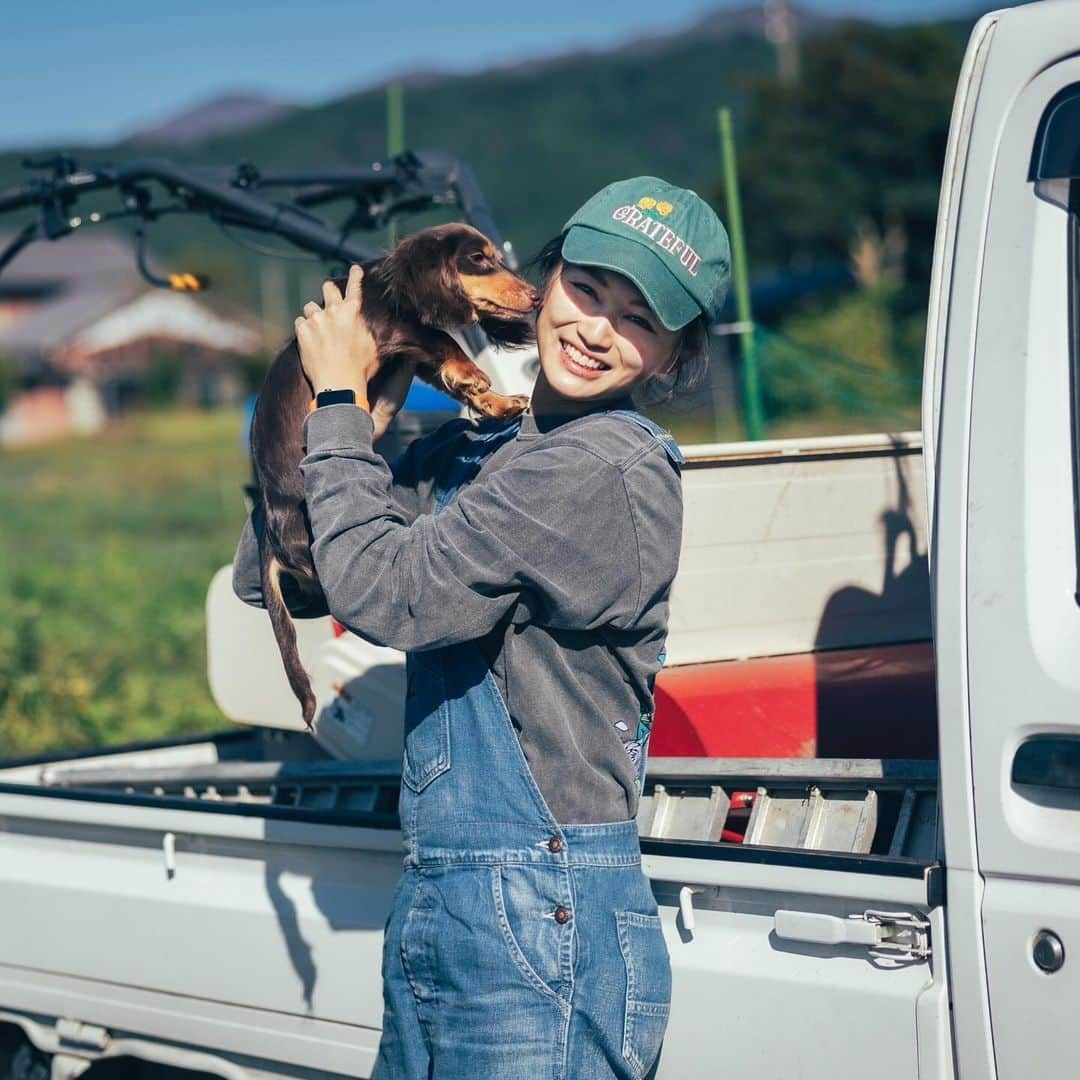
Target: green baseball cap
(667,240)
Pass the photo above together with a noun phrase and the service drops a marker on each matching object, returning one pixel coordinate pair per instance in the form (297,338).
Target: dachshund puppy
(441,278)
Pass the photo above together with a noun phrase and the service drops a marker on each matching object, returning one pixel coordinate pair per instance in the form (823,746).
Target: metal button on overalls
(555,845)
(562,915)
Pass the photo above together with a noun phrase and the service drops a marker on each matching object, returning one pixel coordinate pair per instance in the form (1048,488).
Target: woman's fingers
(353,288)
(331,294)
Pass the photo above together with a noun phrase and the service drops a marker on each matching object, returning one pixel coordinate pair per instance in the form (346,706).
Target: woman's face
(597,336)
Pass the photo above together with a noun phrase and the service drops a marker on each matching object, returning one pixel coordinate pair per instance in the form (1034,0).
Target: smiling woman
(525,568)
(655,363)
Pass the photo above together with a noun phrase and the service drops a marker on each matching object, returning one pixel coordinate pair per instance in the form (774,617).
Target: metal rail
(858,806)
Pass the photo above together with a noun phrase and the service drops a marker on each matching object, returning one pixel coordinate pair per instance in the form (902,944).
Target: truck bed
(220,901)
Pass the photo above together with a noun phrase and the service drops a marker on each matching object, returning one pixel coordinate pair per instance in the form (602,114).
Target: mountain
(224,115)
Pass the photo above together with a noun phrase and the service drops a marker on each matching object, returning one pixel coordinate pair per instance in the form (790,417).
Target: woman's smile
(581,363)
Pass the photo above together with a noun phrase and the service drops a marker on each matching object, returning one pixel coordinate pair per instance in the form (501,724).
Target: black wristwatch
(335,397)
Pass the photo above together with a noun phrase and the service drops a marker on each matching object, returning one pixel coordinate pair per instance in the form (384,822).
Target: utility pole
(395,132)
(753,406)
(274,296)
(781,30)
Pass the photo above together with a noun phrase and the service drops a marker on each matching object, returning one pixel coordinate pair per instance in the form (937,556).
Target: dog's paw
(499,406)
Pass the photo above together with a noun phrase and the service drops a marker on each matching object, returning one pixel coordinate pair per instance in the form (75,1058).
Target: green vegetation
(106,551)
(809,369)
(858,142)
(9,381)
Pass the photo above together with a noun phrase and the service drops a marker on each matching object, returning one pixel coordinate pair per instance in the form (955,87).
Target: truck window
(1055,170)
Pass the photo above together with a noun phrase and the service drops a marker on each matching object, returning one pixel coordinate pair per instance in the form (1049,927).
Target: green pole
(753,407)
(395,132)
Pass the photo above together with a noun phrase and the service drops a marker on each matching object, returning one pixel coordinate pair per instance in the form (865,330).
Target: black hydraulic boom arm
(402,185)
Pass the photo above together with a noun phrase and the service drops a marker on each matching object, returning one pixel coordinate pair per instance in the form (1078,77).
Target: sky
(92,71)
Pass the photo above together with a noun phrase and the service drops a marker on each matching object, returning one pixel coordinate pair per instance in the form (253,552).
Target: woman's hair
(691,348)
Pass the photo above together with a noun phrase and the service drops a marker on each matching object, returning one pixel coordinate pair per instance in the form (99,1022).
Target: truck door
(1005,558)
(775,970)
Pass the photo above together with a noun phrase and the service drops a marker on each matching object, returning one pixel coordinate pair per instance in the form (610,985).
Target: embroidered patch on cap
(641,220)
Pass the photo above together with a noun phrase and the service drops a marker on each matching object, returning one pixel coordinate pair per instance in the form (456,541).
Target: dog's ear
(420,280)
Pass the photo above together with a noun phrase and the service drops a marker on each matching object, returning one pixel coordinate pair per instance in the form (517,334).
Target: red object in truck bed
(874,702)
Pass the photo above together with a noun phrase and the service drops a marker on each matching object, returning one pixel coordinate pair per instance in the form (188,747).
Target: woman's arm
(556,527)
(408,471)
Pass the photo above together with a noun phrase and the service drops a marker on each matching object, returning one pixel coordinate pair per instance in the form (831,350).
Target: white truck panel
(270,917)
(765,570)
(747,1001)
(241,1043)
(1023,617)
(958,262)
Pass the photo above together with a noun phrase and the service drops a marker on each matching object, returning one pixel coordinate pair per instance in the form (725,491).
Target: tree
(860,138)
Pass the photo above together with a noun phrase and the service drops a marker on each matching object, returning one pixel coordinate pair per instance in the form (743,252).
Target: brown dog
(444,277)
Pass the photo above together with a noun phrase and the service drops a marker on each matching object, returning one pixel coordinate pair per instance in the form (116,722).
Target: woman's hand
(337,350)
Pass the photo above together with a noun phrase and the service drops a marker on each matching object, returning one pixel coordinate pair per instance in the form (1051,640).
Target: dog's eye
(478,258)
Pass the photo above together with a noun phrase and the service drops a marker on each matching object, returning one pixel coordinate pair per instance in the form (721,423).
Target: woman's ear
(676,354)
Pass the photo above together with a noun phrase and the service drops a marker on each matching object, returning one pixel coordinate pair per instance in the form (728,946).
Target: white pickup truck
(862,824)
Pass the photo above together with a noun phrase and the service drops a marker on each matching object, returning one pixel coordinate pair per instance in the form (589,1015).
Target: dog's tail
(285,632)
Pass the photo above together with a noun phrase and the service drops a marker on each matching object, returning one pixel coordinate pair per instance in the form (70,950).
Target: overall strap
(463,467)
(662,437)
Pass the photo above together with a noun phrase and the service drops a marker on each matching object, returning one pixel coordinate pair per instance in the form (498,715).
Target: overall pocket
(540,947)
(427,721)
(648,987)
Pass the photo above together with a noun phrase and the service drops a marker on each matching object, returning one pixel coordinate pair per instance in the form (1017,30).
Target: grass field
(107,546)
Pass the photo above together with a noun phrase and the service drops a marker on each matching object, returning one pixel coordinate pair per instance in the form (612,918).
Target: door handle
(895,935)
(817,929)
(1049,761)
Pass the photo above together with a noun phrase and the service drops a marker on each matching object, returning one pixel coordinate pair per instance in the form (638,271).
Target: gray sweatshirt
(557,559)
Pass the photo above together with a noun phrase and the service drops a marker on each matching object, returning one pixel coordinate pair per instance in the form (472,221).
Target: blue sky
(91,71)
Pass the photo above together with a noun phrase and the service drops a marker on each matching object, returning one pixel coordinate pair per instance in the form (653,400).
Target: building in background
(83,336)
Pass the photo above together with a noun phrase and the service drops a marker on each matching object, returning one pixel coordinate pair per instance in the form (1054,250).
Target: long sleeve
(246,579)
(409,494)
(553,527)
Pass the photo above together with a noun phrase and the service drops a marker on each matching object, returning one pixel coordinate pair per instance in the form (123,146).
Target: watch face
(336,397)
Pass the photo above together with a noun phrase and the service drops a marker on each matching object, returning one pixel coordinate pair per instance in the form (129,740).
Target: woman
(525,569)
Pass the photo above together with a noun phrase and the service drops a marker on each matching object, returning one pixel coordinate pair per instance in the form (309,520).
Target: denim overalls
(517,947)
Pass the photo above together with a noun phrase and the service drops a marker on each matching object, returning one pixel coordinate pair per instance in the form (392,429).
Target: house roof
(54,320)
(94,253)
(86,291)
(158,313)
